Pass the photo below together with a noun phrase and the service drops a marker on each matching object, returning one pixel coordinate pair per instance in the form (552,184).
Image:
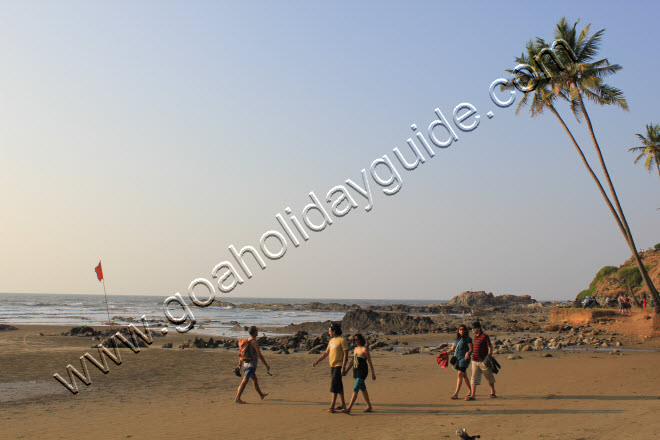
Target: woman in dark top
(462,349)
(360,363)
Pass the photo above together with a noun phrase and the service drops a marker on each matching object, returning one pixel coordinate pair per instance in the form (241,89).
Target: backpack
(244,349)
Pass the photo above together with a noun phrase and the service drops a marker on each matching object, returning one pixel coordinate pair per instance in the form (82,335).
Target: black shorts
(336,384)
(463,369)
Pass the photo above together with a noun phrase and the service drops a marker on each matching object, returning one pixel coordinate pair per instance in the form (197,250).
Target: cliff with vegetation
(611,281)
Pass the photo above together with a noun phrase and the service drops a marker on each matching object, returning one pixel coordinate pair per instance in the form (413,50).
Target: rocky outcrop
(309,326)
(6,327)
(481,299)
(509,319)
(337,307)
(465,302)
(555,337)
(299,341)
(368,320)
(567,336)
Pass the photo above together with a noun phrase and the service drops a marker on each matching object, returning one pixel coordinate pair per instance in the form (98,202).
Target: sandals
(469,398)
(453,397)
(492,396)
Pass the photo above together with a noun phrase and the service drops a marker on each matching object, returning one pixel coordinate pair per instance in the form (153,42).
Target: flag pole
(107,309)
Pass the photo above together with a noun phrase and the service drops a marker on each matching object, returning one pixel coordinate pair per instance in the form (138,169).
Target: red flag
(99,271)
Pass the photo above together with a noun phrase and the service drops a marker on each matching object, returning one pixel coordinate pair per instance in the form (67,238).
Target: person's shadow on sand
(585,397)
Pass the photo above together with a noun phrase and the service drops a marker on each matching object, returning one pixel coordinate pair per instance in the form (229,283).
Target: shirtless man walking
(253,354)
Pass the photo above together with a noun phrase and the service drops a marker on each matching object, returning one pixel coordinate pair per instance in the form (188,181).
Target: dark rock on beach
(7,327)
(84,331)
(411,351)
(89,332)
(368,320)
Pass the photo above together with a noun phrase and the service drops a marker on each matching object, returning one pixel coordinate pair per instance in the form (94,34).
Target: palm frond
(649,162)
(590,48)
(600,68)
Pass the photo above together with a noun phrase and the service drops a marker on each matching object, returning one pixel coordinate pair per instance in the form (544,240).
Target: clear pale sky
(154,135)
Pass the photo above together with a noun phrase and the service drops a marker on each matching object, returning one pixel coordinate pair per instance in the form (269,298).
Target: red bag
(443,359)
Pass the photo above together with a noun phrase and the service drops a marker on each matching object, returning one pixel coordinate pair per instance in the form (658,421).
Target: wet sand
(173,393)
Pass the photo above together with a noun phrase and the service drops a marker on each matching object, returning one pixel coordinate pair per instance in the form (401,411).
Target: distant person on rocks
(481,348)
(620,301)
(252,356)
(644,300)
(361,363)
(462,349)
(338,352)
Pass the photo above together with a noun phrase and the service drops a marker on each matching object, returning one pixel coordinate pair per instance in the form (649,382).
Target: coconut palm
(542,98)
(650,147)
(571,72)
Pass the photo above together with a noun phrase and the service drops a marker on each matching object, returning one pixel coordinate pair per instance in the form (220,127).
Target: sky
(154,135)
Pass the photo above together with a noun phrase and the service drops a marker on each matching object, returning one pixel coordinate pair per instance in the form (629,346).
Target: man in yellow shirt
(338,352)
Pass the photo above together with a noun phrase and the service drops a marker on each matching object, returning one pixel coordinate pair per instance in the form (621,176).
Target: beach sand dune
(172,393)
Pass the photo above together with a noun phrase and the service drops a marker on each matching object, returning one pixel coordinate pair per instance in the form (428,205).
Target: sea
(214,320)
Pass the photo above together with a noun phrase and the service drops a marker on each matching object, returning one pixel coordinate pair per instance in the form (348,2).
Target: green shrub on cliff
(630,276)
(605,271)
(627,276)
(657,247)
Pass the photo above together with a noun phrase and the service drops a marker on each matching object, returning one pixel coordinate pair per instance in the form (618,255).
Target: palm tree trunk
(632,295)
(591,171)
(627,234)
(603,166)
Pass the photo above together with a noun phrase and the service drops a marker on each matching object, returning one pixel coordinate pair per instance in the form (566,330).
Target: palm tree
(573,75)
(650,147)
(543,98)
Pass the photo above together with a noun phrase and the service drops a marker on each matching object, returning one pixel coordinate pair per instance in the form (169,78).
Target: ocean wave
(91,310)
(36,304)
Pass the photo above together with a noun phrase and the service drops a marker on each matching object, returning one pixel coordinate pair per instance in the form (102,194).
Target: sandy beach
(173,393)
